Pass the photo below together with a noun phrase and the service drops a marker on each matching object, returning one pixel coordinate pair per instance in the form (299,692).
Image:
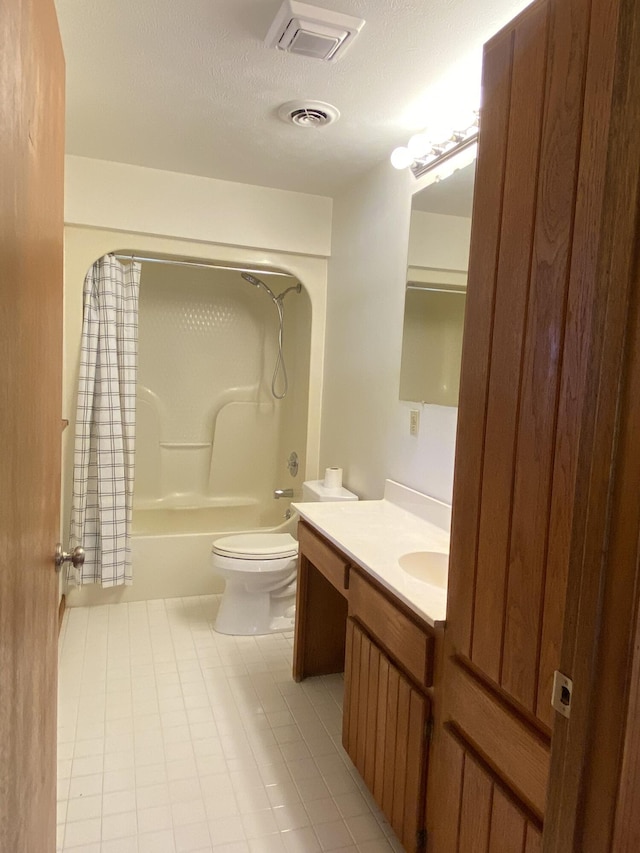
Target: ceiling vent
(308,113)
(311,31)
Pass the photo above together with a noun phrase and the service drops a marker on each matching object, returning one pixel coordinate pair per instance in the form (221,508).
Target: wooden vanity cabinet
(346,621)
(387,705)
(321,606)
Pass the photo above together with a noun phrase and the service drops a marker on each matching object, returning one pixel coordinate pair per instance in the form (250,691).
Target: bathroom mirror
(436,289)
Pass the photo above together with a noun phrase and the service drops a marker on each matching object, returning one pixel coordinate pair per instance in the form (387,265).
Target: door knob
(76,557)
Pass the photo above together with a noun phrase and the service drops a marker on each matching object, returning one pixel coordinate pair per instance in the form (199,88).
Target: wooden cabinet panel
(478,333)
(534,840)
(329,562)
(475,809)
(319,638)
(508,826)
(384,733)
(514,445)
(402,638)
(489,821)
(520,755)
(512,282)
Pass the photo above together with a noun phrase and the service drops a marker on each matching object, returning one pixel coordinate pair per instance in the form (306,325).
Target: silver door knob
(76,557)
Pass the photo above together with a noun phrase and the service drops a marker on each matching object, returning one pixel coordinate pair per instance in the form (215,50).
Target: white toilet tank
(315,490)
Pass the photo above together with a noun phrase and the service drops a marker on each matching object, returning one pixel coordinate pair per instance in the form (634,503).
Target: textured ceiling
(188,85)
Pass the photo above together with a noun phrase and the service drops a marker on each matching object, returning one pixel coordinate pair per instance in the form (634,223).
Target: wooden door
(521,399)
(384,733)
(31,233)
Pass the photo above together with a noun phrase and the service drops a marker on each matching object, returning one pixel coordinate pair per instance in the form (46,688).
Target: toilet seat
(256,546)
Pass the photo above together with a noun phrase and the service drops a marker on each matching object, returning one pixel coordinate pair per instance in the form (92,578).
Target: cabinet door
(523,370)
(383,732)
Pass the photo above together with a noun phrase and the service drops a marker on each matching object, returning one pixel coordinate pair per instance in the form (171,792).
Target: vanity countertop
(375,534)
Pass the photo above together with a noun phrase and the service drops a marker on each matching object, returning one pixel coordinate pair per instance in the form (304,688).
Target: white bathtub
(171,551)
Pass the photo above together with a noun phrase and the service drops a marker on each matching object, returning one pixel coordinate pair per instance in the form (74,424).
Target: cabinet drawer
(328,562)
(403,639)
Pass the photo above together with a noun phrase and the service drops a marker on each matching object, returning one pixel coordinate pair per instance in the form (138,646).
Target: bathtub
(170,550)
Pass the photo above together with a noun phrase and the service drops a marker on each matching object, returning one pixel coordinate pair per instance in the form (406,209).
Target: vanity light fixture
(421,155)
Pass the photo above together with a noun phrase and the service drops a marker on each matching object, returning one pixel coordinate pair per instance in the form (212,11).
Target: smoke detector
(312,31)
(308,113)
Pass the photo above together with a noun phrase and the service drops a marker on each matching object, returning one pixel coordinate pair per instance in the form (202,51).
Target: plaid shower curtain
(105,424)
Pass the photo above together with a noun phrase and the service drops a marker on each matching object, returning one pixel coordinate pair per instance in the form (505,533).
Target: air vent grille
(308,113)
(309,118)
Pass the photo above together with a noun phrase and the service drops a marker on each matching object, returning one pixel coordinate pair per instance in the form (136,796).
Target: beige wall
(365,428)
(120,197)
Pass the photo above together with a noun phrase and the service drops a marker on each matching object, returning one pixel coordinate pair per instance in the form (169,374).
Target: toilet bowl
(260,571)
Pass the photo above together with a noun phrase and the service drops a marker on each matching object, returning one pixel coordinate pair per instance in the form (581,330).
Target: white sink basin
(430,567)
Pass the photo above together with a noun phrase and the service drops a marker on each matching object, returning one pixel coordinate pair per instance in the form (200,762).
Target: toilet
(260,571)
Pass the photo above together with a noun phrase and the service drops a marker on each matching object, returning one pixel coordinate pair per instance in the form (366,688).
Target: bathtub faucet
(283,493)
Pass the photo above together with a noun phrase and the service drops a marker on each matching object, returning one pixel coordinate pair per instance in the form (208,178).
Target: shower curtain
(105,424)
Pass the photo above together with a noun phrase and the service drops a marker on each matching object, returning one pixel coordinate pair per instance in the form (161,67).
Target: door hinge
(428,730)
(421,839)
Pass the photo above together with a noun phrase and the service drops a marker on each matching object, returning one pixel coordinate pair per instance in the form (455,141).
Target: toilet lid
(256,546)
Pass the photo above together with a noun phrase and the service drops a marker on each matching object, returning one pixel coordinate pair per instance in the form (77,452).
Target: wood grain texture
(381,734)
(363,698)
(578,348)
(372,716)
(31,257)
(516,753)
(349,688)
(602,566)
(560,146)
(626,829)
(415,800)
(509,342)
(475,810)
(508,826)
(320,627)
(402,758)
(406,642)
(478,331)
(385,734)
(533,842)
(352,670)
(444,791)
(390,742)
(327,560)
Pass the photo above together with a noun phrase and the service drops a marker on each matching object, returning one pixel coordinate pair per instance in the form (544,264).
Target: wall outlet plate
(414,422)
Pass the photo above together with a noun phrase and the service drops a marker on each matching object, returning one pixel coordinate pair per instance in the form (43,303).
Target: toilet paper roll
(333,478)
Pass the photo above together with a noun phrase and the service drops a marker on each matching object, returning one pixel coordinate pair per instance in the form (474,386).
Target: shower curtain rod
(203,264)
(433,288)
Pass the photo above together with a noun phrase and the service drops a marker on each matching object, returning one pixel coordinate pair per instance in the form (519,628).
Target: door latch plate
(562,693)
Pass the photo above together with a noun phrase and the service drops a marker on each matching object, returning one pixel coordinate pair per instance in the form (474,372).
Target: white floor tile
(175,739)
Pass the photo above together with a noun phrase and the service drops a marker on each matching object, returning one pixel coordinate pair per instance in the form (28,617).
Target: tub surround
(376,534)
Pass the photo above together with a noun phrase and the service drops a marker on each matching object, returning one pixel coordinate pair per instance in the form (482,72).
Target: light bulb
(401,158)
(419,145)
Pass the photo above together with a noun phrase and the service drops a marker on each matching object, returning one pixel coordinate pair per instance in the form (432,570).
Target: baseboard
(63,604)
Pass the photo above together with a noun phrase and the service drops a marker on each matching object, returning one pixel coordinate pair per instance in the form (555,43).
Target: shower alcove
(212,441)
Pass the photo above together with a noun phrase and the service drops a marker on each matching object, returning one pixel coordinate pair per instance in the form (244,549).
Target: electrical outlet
(414,422)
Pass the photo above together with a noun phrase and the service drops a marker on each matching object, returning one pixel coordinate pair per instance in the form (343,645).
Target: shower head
(256,282)
(251,279)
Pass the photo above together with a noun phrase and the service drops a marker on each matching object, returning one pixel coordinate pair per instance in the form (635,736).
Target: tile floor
(173,738)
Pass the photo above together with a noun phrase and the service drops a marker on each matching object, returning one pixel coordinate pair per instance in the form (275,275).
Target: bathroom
(175,737)
(336,391)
